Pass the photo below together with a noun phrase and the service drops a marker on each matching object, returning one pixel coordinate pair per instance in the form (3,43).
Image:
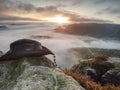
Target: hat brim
(14,56)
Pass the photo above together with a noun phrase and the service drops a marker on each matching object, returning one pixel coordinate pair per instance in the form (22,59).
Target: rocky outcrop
(34,73)
(92,74)
(101,67)
(111,77)
(99,70)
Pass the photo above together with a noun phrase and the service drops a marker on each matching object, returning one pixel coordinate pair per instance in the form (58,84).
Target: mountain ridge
(104,31)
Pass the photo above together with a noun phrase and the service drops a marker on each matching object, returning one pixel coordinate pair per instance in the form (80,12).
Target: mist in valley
(59,43)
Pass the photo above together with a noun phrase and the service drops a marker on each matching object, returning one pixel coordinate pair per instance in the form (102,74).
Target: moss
(13,70)
(16,67)
(11,84)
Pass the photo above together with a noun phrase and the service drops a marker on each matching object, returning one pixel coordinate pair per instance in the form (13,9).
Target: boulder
(111,77)
(101,67)
(92,74)
(36,73)
(94,68)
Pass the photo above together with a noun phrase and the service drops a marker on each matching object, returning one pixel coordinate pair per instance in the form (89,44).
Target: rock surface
(101,67)
(111,77)
(34,74)
(99,70)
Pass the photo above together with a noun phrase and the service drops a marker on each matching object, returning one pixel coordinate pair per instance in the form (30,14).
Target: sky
(98,11)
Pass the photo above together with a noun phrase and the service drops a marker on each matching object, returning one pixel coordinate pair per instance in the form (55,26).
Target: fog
(58,43)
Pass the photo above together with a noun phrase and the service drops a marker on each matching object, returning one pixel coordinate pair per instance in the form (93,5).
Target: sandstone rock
(31,74)
(44,78)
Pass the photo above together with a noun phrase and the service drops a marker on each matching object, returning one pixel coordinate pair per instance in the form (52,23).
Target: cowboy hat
(25,48)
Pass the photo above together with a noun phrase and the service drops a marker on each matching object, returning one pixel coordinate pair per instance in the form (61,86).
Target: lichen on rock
(38,73)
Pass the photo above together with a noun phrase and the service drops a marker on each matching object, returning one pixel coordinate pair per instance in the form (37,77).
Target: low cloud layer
(59,43)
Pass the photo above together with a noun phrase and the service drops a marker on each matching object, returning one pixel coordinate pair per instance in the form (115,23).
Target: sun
(59,19)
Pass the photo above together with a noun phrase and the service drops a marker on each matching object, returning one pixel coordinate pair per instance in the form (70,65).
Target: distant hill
(87,53)
(108,31)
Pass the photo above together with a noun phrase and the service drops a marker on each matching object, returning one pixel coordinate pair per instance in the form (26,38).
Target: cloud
(107,1)
(78,2)
(8,7)
(4,5)
(100,1)
(20,7)
(7,17)
(14,6)
(48,11)
(109,6)
(119,16)
(89,20)
(5,1)
(11,8)
(73,17)
(110,10)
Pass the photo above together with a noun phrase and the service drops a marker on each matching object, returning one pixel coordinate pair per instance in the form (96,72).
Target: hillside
(86,53)
(105,31)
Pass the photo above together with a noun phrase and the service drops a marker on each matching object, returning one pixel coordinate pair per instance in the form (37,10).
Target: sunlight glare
(59,19)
